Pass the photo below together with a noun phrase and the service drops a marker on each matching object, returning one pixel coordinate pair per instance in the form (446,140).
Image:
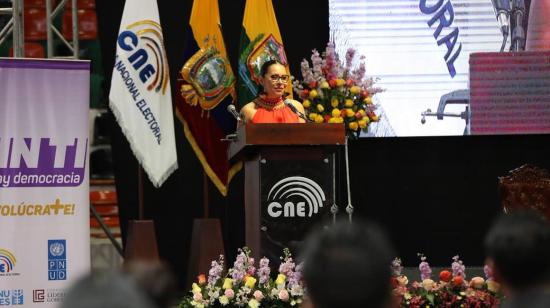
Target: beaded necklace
(269,103)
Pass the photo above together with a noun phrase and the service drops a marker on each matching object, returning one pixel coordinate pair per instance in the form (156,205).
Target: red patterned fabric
(281,115)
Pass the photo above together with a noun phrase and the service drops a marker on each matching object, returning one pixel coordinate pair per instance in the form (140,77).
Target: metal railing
(15,26)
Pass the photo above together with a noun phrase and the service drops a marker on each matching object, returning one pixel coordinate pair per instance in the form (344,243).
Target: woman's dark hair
(267,64)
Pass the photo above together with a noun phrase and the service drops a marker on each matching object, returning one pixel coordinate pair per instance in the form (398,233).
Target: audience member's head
(156,280)
(518,249)
(105,290)
(348,265)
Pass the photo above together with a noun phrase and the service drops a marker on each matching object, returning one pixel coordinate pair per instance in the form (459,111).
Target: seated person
(518,251)
(348,265)
(269,106)
(106,290)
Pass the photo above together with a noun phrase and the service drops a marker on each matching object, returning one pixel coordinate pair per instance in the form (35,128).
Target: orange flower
(445,276)
(201,279)
(458,280)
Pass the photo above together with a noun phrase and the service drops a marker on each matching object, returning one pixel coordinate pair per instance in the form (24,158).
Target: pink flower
(258,295)
(229,293)
(197,296)
(283,295)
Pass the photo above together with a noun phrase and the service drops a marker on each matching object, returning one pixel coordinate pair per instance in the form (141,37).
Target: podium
(291,181)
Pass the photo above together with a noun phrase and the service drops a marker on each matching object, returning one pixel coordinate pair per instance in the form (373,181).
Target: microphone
(231,109)
(518,33)
(502,12)
(296,111)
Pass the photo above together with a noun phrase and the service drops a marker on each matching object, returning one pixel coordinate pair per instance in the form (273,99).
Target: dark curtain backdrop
(303,25)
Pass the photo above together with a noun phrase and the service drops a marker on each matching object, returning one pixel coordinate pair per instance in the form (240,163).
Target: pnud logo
(7,261)
(295,187)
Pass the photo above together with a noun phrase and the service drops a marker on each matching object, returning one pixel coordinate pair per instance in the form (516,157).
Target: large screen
(420,50)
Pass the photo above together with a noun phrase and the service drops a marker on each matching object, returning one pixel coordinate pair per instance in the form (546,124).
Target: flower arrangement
(336,92)
(452,290)
(244,285)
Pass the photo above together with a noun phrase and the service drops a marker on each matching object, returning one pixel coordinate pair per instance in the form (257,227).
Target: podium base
(141,242)
(206,246)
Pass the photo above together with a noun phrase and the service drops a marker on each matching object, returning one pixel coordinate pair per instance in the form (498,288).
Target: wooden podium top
(251,136)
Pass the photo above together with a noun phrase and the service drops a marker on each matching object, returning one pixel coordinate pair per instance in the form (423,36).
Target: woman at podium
(272,106)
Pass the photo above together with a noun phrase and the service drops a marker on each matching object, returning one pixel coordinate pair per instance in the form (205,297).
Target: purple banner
(42,137)
(45,162)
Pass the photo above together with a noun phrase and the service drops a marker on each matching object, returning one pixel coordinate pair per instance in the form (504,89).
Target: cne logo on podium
(295,196)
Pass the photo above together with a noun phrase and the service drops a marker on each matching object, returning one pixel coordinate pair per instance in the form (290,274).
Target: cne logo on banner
(143,48)
(295,196)
(7,263)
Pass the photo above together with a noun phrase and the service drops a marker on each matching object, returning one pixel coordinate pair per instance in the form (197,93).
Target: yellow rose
(320,108)
(313,94)
(306,103)
(340,120)
(353,125)
(312,116)
(336,112)
(227,283)
(250,282)
(333,120)
(367,100)
(325,85)
(224,300)
(195,288)
(355,90)
(340,82)
(363,124)
(280,279)
(362,112)
(319,119)
(253,303)
(374,118)
(334,102)
(428,284)
(493,286)
(348,103)
(349,113)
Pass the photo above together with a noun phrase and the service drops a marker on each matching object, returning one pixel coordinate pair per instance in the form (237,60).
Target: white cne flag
(140,94)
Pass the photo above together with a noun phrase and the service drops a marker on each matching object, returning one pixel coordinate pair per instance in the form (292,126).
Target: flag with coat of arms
(140,94)
(260,41)
(206,89)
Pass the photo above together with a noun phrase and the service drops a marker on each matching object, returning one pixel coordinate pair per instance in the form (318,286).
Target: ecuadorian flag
(260,41)
(207,87)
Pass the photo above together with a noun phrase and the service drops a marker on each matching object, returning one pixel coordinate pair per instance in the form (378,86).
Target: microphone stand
(518,33)
(296,111)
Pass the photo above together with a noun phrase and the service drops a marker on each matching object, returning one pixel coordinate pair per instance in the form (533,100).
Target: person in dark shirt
(348,265)
(518,251)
